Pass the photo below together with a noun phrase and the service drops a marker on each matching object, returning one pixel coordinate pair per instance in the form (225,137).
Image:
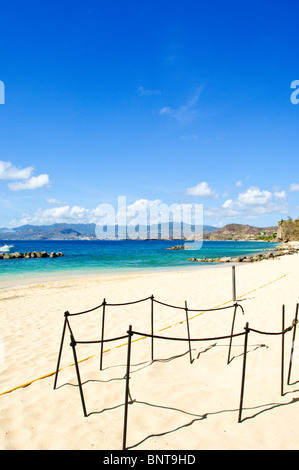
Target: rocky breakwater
(178,247)
(30,254)
(281,250)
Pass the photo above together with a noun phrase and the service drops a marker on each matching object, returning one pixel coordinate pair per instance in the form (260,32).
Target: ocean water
(102,256)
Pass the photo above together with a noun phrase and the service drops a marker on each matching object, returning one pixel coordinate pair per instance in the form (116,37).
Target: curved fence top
(180,307)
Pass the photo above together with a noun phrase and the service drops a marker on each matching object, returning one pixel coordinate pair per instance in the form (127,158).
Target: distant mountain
(88,232)
(242,232)
(50,232)
(80,228)
(5,230)
(171,231)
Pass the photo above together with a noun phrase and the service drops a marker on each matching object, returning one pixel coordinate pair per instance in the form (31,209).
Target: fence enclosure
(130,333)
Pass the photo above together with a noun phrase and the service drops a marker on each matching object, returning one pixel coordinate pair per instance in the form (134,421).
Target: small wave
(6,248)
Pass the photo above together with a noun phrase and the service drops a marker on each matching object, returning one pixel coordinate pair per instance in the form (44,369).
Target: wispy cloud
(185,112)
(143,92)
(294,187)
(53,200)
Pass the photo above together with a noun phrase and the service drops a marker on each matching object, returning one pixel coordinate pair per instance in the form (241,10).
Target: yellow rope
(142,337)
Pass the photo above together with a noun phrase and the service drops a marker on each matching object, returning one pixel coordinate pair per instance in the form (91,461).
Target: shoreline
(82,274)
(56,278)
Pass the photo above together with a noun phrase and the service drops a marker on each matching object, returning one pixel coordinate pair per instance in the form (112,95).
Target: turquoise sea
(103,257)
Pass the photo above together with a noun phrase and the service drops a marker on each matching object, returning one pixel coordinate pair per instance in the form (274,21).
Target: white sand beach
(177,405)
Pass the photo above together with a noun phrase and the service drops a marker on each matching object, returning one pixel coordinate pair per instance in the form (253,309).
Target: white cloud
(141,205)
(239,183)
(32,183)
(140,212)
(228,203)
(280,194)
(254,197)
(10,172)
(250,204)
(202,189)
(21,177)
(141,209)
(294,187)
(64,214)
(52,200)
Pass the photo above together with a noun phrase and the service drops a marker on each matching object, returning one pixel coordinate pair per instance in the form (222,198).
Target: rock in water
(27,255)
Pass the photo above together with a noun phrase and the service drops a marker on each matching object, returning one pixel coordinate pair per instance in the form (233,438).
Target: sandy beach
(177,404)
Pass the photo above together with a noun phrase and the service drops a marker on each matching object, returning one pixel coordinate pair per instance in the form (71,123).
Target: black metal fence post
(234,282)
(102,336)
(232,332)
(282,350)
(66,314)
(188,332)
(243,372)
(293,344)
(152,327)
(73,345)
(127,388)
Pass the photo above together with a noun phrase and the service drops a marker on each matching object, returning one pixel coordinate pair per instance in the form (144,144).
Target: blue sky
(176,101)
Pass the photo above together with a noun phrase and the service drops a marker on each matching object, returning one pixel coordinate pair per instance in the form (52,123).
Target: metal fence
(130,333)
